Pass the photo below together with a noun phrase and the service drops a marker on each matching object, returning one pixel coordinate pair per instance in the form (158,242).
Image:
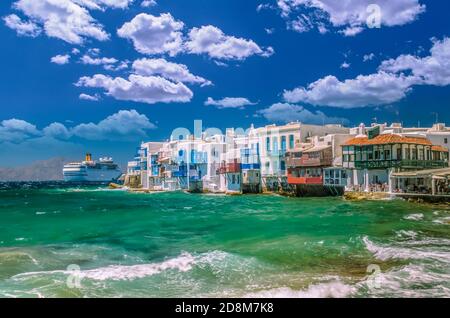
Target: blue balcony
(251,166)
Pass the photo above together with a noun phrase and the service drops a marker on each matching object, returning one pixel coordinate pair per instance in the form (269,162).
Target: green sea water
(102,243)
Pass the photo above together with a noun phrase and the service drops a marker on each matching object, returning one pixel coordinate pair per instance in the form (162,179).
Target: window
(414,154)
(445,140)
(422,154)
(377,155)
(268,143)
(283,143)
(291,142)
(233,179)
(275,143)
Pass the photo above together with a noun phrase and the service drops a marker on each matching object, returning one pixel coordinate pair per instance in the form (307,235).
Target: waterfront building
(213,146)
(148,154)
(438,134)
(168,167)
(134,166)
(432,182)
(239,164)
(275,141)
(250,164)
(316,169)
(336,175)
(305,167)
(373,158)
(192,165)
(230,163)
(290,157)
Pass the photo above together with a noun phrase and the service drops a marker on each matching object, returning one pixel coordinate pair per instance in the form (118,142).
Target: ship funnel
(88,157)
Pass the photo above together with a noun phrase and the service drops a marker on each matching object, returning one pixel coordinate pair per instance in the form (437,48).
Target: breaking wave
(414,217)
(415,250)
(335,289)
(183,263)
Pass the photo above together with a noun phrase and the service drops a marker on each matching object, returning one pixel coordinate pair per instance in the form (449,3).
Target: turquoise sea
(93,242)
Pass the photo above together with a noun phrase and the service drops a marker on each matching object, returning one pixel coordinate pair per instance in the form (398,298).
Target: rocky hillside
(45,170)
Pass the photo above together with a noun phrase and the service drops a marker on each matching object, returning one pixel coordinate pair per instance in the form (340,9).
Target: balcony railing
(309,162)
(229,168)
(407,164)
(250,166)
(305,180)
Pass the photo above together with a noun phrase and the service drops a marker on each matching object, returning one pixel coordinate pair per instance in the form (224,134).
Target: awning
(443,173)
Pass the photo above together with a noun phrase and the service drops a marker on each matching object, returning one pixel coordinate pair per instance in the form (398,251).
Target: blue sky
(103,75)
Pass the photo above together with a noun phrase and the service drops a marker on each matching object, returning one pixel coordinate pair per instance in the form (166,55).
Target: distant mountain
(45,170)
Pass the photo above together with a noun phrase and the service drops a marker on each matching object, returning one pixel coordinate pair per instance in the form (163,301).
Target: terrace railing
(406,164)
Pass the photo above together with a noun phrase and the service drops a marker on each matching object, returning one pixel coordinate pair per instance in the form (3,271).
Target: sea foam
(335,289)
(414,217)
(183,263)
(412,250)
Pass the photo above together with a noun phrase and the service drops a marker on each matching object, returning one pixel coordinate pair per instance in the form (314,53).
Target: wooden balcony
(305,180)
(309,162)
(229,168)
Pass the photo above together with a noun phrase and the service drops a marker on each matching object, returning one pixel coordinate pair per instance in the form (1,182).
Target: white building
(274,141)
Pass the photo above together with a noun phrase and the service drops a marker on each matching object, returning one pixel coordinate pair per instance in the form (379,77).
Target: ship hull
(91,175)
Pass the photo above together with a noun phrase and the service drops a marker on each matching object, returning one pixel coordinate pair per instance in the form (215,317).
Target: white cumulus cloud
(171,71)
(284,113)
(125,124)
(431,70)
(121,126)
(350,17)
(229,102)
(86,59)
(137,88)
(57,131)
(25,28)
(212,41)
(365,90)
(60,59)
(154,34)
(62,19)
(92,98)
(103,4)
(16,130)
(148,3)
(394,79)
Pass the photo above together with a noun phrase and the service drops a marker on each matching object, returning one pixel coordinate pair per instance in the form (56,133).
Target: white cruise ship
(103,170)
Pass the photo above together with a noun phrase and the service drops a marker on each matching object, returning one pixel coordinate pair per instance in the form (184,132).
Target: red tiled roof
(439,148)
(387,139)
